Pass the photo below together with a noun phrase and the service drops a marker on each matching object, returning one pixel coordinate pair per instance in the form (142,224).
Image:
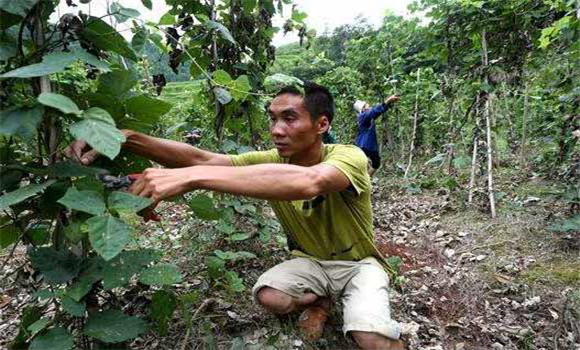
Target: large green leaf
(123,13)
(204,208)
(92,273)
(144,112)
(53,63)
(105,37)
(147,3)
(86,201)
(221,77)
(19,7)
(112,326)
(56,338)
(22,193)
(116,83)
(8,235)
(28,317)
(163,305)
(73,307)
(57,266)
(21,121)
(98,129)
(161,274)
(118,271)
(108,235)
(60,102)
(223,31)
(38,326)
(274,83)
(72,169)
(240,88)
(125,201)
(139,39)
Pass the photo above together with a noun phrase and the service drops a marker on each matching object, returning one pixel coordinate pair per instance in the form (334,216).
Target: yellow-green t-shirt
(334,226)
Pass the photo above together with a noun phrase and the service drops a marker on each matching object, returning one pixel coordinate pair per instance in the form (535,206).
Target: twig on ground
(485,246)
(203,305)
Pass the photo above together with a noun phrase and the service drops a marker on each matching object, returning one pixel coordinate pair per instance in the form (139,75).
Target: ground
(467,282)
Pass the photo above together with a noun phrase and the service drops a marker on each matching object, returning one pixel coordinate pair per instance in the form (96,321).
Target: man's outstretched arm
(262,181)
(171,154)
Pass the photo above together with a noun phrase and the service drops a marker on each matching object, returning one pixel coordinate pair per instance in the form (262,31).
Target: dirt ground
(467,282)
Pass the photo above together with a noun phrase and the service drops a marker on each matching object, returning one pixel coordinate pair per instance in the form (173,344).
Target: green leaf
(224,32)
(240,237)
(222,95)
(8,235)
(93,272)
(124,201)
(118,271)
(85,201)
(240,88)
(215,267)
(568,225)
(38,326)
(52,63)
(163,304)
(147,3)
(298,16)
(22,193)
(121,13)
(221,77)
(57,266)
(7,50)
(56,338)
(112,326)
(108,235)
(144,112)
(60,102)
(71,168)
(7,19)
(21,121)
(105,37)
(274,83)
(203,207)
(225,227)
(29,315)
(73,307)
(161,274)
(98,129)
(167,19)
(139,39)
(249,5)
(116,83)
(233,255)
(235,283)
(20,7)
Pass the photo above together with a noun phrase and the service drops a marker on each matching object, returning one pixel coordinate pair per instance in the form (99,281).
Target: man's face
(291,127)
(366,107)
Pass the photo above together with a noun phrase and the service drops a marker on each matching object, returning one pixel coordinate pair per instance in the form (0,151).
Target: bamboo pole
(415,117)
(488,134)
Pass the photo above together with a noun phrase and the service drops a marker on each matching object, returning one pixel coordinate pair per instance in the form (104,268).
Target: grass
(560,272)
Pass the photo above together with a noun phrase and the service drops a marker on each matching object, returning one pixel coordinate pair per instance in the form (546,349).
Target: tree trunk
(416,115)
(473,167)
(524,126)
(488,134)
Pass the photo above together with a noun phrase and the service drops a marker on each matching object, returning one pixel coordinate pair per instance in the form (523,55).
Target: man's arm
(262,181)
(171,154)
(375,112)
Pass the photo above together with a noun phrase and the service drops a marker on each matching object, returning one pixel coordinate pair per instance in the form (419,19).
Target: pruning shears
(123,183)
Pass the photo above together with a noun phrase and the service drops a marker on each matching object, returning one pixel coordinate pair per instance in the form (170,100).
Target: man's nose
(277,129)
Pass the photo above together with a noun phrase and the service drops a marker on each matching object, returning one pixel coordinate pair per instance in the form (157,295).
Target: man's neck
(309,157)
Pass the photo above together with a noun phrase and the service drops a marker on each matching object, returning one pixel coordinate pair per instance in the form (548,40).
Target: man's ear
(322,124)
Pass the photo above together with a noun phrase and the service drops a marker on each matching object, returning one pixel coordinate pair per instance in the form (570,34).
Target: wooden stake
(488,134)
(415,117)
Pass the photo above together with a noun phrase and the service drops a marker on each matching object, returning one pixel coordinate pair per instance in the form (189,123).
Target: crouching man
(321,195)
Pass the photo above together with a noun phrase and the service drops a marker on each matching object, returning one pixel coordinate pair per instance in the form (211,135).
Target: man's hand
(160,184)
(80,151)
(392,99)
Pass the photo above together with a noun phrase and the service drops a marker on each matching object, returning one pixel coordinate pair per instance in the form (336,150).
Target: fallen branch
(203,305)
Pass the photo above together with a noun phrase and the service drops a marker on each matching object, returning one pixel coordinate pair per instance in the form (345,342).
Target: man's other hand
(160,184)
(392,99)
(81,152)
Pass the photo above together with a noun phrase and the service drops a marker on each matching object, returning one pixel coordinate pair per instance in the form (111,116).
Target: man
(366,137)
(321,195)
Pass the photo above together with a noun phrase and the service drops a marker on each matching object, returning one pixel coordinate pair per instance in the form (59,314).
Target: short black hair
(317,99)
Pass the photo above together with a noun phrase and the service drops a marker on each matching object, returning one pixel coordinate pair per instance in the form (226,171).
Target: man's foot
(311,321)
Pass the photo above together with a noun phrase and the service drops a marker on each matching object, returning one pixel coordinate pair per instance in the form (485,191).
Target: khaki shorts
(361,286)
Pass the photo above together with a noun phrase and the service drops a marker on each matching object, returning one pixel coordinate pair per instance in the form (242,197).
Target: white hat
(359,105)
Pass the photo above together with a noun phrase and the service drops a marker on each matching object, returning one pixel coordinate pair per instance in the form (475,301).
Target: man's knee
(370,340)
(275,301)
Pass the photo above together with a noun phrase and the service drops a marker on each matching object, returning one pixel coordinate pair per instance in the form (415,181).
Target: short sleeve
(252,158)
(352,162)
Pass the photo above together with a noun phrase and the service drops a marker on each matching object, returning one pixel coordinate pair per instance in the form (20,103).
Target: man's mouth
(280,144)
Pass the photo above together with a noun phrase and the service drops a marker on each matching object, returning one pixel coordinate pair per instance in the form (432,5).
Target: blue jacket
(367,136)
